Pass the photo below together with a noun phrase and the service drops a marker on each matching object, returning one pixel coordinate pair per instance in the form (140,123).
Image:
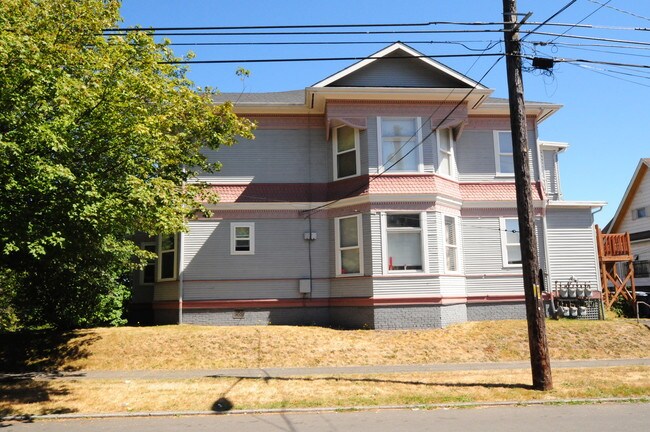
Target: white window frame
(160,253)
(498,154)
(505,244)
(143,246)
(450,154)
(251,237)
(418,142)
(335,153)
(446,245)
(424,244)
(339,249)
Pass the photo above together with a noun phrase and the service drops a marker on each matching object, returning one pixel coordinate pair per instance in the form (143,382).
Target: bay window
(399,144)
(510,245)
(445,152)
(349,256)
(451,244)
(404,242)
(167,263)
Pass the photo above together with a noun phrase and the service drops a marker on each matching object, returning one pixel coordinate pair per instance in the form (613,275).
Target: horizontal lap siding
(351,287)
(265,158)
(475,157)
(641,199)
(482,256)
(406,287)
(571,246)
(281,258)
(550,174)
(251,289)
(165,291)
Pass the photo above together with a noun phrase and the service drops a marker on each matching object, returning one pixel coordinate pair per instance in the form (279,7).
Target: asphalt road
(629,417)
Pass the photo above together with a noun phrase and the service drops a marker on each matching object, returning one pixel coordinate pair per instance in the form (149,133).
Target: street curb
(323,409)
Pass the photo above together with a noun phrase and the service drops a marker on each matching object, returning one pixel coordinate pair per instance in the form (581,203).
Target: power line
(312,211)
(600,72)
(579,22)
(600,39)
(450,42)
(602,62)
(562,9)
(621,10)
(315,59)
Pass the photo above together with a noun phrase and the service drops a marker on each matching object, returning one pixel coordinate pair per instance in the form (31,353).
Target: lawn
(196,347)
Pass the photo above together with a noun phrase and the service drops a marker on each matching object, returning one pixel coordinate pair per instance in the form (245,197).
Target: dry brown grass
(202,347)
(97,396)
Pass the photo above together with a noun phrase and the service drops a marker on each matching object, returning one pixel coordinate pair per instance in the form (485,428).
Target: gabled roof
(624,206)
(379,64)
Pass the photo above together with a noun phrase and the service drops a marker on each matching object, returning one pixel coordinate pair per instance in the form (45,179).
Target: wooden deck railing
(614,247)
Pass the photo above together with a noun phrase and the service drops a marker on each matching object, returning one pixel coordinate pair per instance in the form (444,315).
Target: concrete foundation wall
(495,311)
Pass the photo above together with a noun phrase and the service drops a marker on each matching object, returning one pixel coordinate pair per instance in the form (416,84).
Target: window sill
(505,175)
(347,275)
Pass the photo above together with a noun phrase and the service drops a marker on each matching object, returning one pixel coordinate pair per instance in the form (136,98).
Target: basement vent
(238,314)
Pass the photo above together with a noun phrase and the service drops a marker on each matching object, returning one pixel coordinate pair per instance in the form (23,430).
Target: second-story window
(639,213)
(399,144)
(503,152)
(346,152)
(445,152)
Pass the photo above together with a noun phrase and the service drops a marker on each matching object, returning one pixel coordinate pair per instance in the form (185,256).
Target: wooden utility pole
(535,313)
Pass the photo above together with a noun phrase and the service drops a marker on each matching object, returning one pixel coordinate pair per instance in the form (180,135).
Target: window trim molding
(251,238)
(457,245)
(338,249)
(497,154)
(635,213)
(424,244)
(380,147)
(505,244)
(160,251)
(335,153)
(453,174)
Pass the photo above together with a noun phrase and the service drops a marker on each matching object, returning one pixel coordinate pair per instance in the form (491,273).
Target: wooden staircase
(616,267)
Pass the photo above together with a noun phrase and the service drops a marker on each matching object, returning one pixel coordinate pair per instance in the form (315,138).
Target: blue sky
(604,118)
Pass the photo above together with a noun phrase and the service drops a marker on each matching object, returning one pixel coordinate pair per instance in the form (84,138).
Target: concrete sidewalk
(312,371)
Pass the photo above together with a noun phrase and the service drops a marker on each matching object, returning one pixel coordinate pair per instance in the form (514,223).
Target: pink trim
(336,302)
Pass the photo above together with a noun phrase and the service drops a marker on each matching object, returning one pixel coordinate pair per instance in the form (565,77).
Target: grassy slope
(198,347)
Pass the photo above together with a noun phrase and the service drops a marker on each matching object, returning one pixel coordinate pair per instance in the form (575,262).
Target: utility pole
(535,313)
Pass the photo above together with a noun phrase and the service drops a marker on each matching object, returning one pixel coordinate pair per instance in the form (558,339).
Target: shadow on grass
(21,391)
(43,350)
(383,381)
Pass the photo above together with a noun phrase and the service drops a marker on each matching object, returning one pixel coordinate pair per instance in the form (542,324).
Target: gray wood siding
(453,286)
(482,247)
(375,233)
(495,285)
(207,251)
(434,242)
(278,156)
(571,244)
(407,72)
(475,157)
(406,287)
(351,287)
(251,289)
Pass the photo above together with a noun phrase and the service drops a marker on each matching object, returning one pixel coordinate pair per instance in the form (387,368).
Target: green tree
(97,138)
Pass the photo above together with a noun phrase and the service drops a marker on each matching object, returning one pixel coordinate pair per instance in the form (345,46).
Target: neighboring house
(633,216)
(326,218)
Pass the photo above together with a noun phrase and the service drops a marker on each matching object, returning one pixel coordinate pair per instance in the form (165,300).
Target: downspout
(181,275)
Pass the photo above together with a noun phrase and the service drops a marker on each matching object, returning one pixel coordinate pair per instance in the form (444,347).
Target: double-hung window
(148,273)
(349,255)
(167,265)
(445,152)
(510,244)
(346,152)
(503,153)
(242,238)
(399,144)
(451,244)
(404,242)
